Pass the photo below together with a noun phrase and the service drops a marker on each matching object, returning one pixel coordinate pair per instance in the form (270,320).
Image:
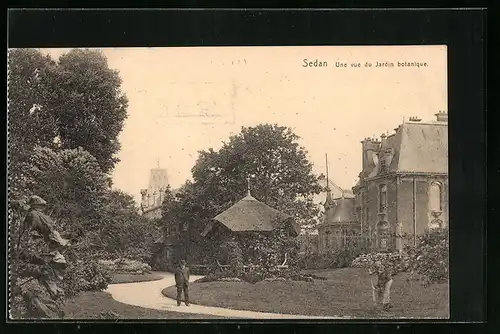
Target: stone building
(152,197)
(339,228)
(403,185)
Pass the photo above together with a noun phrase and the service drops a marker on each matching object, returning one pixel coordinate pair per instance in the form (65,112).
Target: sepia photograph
(257,182)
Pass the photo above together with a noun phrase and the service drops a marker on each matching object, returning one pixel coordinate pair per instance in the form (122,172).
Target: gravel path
(148,295)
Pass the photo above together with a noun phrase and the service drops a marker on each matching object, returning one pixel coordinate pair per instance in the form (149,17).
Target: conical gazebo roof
(249,214)
(342,212)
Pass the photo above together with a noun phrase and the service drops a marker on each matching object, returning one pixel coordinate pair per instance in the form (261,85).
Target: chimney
(383,136)
(442,116)
(415,119)
(370,147)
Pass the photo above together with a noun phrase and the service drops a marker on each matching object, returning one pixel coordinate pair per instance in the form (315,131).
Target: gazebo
(251,215)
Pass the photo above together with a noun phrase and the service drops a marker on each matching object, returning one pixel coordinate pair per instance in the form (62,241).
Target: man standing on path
(182,282)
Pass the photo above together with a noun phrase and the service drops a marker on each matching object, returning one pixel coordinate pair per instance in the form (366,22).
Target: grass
(346,292)
(89,305)
(133,278)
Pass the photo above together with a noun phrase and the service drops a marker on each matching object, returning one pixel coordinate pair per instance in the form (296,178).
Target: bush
(86,276)
(427,262)
(338,258)
(252,277)
(126,266)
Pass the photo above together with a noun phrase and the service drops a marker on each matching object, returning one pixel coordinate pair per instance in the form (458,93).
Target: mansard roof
(415,147)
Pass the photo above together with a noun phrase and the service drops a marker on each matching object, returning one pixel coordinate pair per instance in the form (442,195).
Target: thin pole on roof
(248,185)
(328,181)
(327,184)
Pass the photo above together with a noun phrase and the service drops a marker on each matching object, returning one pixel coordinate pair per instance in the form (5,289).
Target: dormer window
(383,198)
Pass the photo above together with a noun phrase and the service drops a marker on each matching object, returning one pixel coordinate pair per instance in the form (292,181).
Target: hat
(36,200)
(183,261)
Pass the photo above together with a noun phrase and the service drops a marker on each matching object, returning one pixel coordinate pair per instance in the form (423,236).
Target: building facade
(152,197)
(403,186)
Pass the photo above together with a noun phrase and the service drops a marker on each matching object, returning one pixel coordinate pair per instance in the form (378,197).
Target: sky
(174,94)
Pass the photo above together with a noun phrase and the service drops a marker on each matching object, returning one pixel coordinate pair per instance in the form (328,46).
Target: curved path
(148,295)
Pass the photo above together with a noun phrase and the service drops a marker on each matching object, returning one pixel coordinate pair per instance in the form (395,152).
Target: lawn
(346,292)
(132,278)
(89,305)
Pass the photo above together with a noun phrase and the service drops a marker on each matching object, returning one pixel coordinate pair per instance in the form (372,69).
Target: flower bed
(398,262)
(257,274)
(126,266)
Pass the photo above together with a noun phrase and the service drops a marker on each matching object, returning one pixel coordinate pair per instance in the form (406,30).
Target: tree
(89,106)
(30,122)
(64,119)
(283,176)
(283,180)
(124,233)
(74,102)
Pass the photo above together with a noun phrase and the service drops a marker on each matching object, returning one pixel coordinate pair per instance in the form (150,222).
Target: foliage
(124,234)
(335,258)
(268,250)
(282,175)
(74,102)
(427,262)
(235,257)
(86,276)
(127,266)
(72,183)
(430,259)
(282,178)
(73,111)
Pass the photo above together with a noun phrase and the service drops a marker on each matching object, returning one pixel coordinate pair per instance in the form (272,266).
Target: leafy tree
(64,119)
(283,176)
(283,179)
(73,185)
(74,102)
(89,106)
(30,122)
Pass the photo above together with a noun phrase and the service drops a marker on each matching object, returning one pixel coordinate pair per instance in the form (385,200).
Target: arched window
(383,235)
(435,197)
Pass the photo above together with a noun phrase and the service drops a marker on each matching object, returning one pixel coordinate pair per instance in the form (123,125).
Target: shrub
(337,258)
(86,276)
(252,277)
(126,266)
(210,278)
(427,262)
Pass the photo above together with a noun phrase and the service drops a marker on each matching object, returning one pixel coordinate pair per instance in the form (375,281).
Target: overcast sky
(332,109)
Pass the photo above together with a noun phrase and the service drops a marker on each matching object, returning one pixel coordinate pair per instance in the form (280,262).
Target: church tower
(155,193)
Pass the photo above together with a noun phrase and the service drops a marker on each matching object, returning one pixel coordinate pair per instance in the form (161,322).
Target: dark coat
(384,276)
(182,276)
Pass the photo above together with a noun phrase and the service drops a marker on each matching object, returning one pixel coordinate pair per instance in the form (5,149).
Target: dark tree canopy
(89,105)
(74,102)
(31,122)
(281,175)
(283,179)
